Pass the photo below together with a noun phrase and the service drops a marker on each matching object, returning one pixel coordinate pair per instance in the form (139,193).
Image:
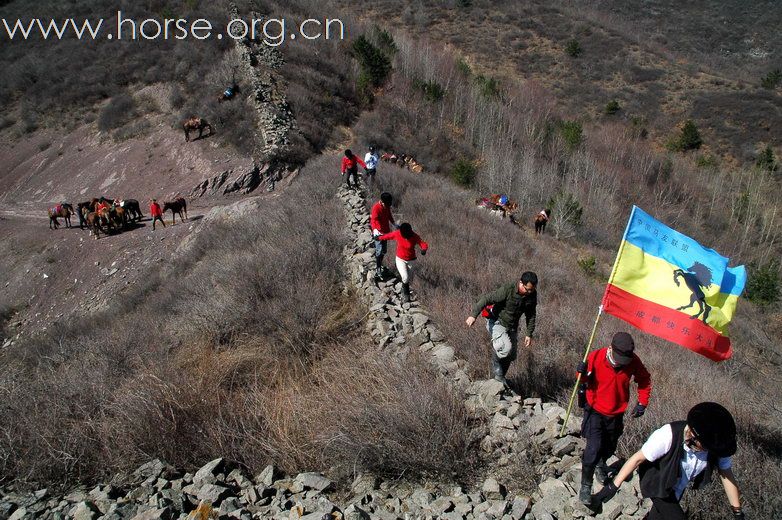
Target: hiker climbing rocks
(541,219)
(406,240)
(503,309)
(380,221)
(607,374)
(371,159)
(350,164)
(679,453)
(156,212)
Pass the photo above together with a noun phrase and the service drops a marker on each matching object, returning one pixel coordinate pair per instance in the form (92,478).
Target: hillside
(254,334)
(663,62)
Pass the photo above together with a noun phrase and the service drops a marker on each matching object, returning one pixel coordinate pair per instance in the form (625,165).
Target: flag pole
(578,379)
(594,327)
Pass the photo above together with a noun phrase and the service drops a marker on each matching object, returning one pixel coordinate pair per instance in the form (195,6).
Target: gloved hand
(423,252)
(582,369)
(639,410)
(375,232)
(607,493)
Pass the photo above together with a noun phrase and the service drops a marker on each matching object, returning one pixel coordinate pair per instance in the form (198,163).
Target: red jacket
(381,218)
(608,389)
(405,248)
(348,164)
(154,210)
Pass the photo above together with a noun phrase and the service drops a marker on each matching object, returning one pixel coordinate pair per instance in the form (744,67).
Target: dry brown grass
(245,348)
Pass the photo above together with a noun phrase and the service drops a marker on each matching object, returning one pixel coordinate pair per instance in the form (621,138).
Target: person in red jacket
(380,221)
(156,212)
(350,166)
(607,373)
(406,240)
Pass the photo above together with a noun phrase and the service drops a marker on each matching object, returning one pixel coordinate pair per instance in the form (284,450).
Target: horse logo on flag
(697,277)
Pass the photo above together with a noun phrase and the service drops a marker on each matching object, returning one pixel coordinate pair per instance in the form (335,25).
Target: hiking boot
(379,274)
(585,494)
(587,476)
(405,293)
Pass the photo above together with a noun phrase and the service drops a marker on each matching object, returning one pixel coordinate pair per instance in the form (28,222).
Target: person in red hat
(607,374)
(680,453)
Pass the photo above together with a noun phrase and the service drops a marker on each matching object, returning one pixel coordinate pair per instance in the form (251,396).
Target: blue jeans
(381,246)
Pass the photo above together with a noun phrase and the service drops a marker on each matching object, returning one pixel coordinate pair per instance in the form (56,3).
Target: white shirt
(371,160)
(692,463)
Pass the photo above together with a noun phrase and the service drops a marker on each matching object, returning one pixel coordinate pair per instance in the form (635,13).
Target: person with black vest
(679,453)
(607,374)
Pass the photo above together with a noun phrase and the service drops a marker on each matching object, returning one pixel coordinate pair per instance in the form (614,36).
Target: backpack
(488,312)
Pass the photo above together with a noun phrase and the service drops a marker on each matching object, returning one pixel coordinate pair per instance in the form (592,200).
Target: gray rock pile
(156,491)
(258,64)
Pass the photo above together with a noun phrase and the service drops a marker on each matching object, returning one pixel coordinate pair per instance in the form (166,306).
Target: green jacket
(509,305)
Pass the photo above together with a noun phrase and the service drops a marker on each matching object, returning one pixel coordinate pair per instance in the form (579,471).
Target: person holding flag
(667,284)
(607,374)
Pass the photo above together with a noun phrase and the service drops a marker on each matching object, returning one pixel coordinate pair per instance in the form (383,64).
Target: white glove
(375,233)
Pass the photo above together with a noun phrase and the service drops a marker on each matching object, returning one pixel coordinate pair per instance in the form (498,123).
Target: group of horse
(105,215)
(503,207)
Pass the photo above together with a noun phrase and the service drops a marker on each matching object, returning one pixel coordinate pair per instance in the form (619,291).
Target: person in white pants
(406,240)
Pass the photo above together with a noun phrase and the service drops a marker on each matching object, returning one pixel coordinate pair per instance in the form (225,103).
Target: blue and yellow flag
(667,284)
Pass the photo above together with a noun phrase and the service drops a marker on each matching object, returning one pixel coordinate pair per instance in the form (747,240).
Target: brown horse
(92,220)
(119,218)
(196,123)
(177,205)
(63,211)
(541,219)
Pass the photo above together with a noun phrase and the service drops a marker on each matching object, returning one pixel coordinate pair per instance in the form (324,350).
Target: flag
(667,284)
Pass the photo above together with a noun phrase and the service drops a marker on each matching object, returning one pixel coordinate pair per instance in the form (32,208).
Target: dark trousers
(665,509)
(601,433)
(352,172)
(155,219)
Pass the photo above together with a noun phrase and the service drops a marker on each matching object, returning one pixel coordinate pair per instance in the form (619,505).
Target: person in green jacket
(503,309)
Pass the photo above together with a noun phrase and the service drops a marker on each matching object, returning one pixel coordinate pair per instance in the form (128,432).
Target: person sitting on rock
(607,374)
(679,453)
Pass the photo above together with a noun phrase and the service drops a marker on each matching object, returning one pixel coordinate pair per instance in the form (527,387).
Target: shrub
(612,107)
(364,88)
(763,283)
(463,172)
(688,139)
(375,65)
(118,111)
(588,264)
(567,213)
(766,160)
(706,161)
(573,48)
(432,90)
(572,134)
(489,87)
(385,42)
(772,79)
(463,67)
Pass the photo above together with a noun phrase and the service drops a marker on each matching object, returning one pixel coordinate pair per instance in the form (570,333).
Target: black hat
(714,427)
(622,348)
